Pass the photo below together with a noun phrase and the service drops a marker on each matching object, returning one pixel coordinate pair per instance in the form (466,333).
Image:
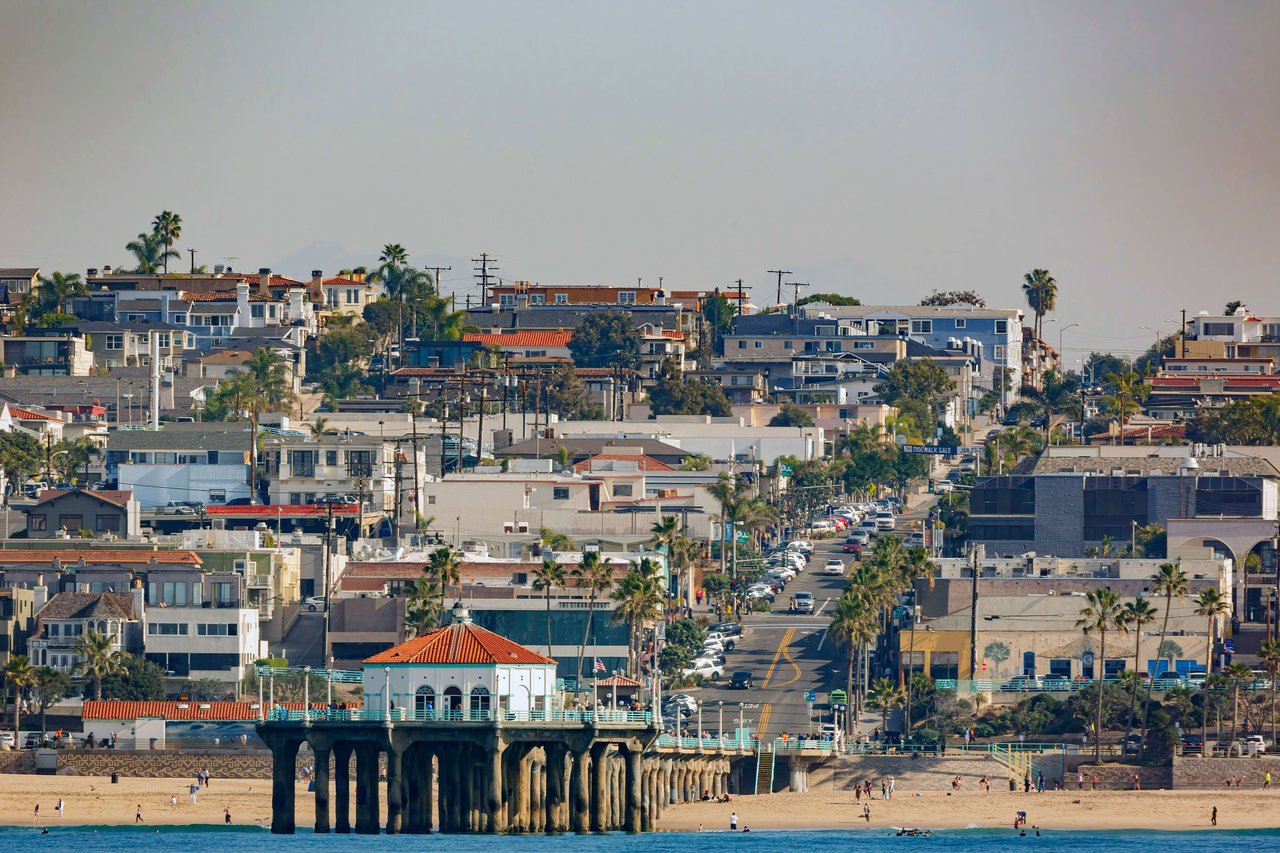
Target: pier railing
(776,745)
(472,715)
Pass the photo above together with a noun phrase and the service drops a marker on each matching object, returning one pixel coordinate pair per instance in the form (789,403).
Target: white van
(885,520)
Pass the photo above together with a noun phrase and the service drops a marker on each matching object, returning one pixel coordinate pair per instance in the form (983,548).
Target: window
(37,522)
(1002,327)
(786,344)
(961,322)
(331,457)
(108,522)
(997,352)
(360,463)
(562,299)
(944,665)
(167,629)
(864,345)
(258,310)
(1222,329)
(922,327)
(174,594)
(353,296)
(217,629)
(560,493)
(758,344)
(431,499)
(295,498)
(537,299)
(1060,667)
(742,344)
(507,300)
(217,496)
(180,340)
(626,297)
(179,319)
(115,342)
(71,522)
(163,340)
(622,491)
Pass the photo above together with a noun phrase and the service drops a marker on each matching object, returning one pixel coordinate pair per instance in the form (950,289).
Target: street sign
(743,537)
(811,696)
(784,470)
(930,449)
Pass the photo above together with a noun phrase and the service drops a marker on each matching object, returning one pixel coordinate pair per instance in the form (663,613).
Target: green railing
(473,715)
(337,676)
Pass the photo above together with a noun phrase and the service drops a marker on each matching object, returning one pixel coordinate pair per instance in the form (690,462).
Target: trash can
(115,778)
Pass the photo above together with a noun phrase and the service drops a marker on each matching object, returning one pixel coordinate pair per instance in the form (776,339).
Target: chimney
(317,287)
(242,303)
(92,272)
(264,281)
(106,270)
(41,592)
(139,599)
(295,303)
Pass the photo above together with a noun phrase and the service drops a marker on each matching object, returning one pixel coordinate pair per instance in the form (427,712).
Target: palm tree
(1134,615)
(729,491)
(1125,399)
(853,623)
(1239,674)
(1041,290)
(639,601)
(60,287)
(262,387)
(886,695)
(1057,395)
(1270,654)
(422,610)
(394,253)
(546,578)
(168,227)
(597,576)
(98,658)
(444,566)
(1100,614)
(555,540)
(321,427)
(1171,582)
(1211,604)
(19,674)
(149,251)
(672,534)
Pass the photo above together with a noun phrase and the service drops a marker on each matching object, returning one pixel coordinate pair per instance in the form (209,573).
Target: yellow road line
(765,711)
(786,639)
(786,654)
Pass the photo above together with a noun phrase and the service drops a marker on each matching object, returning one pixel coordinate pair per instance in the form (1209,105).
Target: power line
(779,274)
(484,266)
(796,298)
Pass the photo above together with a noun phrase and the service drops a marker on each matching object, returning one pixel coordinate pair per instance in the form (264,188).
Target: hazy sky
(876,149)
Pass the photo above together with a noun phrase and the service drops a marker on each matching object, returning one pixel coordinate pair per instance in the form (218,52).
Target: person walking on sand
(137,815)
(1095,781)
(1266,780)
(1213,818)
(226,815)
(37,817)
(1079,780)
(173,802)
(866,812)
(61,807)
(893,786)
(1137,782)
(1040,783)
(733,822)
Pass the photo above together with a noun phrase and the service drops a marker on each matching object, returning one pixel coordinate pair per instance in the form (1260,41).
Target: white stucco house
(461,670)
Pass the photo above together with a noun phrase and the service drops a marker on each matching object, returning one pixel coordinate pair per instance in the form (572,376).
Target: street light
(1060,334)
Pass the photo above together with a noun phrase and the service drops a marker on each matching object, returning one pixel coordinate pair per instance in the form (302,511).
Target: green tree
(672,394)
(954,297)
(167,227)
(596,576)
(1270,654)
(1041,291)
(638,600)
(1125,399)
(1212,605)
(1170,582)
(1255,421)
(422,609)
(1100,614)
(568,396)
(340,345)
(98,658)
(546,578)
(1231,308)
(828,299)
(1056,395)
(444,567)
(140,680)
(47,689)
(19,675)
(886,695)
(21,455)
(1134,616)
(59,287)
(606,339)
(555,540)
(922,381)
(150,253)
(1239,674)
(853,625)
(791,416)
(717,319)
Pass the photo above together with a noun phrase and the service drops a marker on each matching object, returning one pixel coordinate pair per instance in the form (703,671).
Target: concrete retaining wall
(1210,773)
(910,774)
(1115,776)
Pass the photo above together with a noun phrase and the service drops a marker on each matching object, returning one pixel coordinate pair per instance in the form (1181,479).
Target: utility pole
(742,299)
(973,615)
(485,265)
(795,299)
(413,417)
(1182,336)
(779,274)
(193,268)
(436,281)
(325,566)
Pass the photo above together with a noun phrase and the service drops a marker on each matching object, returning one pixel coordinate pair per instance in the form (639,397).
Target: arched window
(424,700)
(479,702)
(452,699)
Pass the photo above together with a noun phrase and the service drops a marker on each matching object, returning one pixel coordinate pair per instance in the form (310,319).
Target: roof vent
(461,615)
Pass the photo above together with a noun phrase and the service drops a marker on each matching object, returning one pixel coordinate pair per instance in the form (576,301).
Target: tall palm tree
(168,227)
(672,534)
(394,253)
(1041,290)
(59,287)
(639,601)
(149,251)
(546,578)
(730,492)
(1135,615)
(1100,614)
(98,658)
(555,540)
(19,674)
(1125,400)
(853,623)
(1270,654)
(444,566)
(1171,582)
(596,576)
(1239,674)
(1211,604)
(422,610)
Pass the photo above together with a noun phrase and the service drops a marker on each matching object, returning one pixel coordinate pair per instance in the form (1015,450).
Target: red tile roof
(460,642)
(618,681)
(99,555)
(521,339)
(31,415)
(220,296)
(118,710)
(346,282)
(644,463)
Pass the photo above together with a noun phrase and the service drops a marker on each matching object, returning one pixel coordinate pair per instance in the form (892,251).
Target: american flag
(599,666)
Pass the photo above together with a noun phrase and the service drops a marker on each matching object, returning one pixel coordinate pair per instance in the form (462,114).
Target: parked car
(804,546)
(176,508)
(1056,682)
(1024,682)
(7,739)
(869,528)
(732,629)
(915,539)
(313,603)
(1255,744)
(943,487)
(714,657)
(727,641)
(704,669)
(804,602)
(742,680)
(835,567)
(683,701)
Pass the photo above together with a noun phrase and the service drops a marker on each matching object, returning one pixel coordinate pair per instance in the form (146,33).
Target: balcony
(258,581)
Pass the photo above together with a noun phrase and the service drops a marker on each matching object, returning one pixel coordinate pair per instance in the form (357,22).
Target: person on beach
(733,821)
(173,802)
(1040,783)
(1213,818)
(857,793)
(137,815)
(61,807)
(1079,780)
(866,812)
(226,815)
(884,790)
(1026,782)
(1095,781)
(984,784)
(1266,780)
(1137,782)
(37,817)
(893,786)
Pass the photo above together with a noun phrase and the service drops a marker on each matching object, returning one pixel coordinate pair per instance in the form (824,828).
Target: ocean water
(253,840)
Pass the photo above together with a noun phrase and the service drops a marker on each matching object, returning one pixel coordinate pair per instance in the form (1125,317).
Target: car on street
(782,572)
(709,656)
(852,546)
(915,539)
(869,527)
(732,629)
(176,508)
(835,567)
(728,641)
(742,680)
(804,546)
(1024,682)
(313,603)
(683,701)
(885,521)
(761,591)
(703,669)
(1255,744)
(862,537)
(804,602)
(7,739)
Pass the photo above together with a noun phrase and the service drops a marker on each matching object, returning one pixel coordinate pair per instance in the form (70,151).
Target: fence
(1064,685)
(471,715)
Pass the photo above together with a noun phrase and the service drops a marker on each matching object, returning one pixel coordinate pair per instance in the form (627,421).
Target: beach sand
(94,800)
